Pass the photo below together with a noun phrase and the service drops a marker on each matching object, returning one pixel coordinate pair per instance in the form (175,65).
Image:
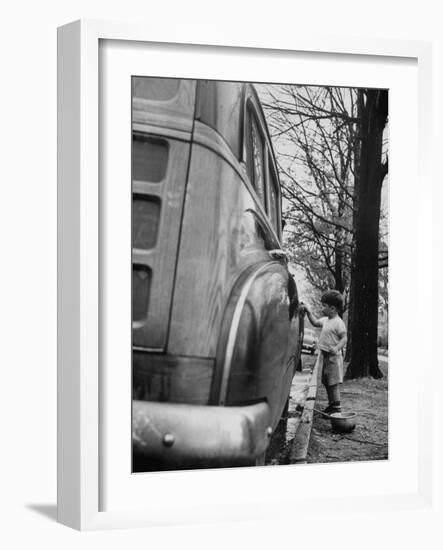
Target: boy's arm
(313,320)
(340,344)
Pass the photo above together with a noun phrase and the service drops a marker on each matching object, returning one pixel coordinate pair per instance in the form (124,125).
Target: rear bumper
(178,435)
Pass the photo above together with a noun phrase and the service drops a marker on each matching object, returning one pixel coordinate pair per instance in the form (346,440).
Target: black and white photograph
(260,246)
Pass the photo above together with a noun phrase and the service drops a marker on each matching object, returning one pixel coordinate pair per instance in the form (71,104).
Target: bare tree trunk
(363,360)
(351,316)
(357,154)
(339,283)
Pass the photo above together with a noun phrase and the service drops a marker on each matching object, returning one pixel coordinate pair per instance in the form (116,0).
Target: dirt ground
(369,441)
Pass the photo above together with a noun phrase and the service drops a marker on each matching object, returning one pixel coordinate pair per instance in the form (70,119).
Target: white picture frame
(80,368)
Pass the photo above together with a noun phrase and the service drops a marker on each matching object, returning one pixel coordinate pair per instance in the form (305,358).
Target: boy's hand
(304,308)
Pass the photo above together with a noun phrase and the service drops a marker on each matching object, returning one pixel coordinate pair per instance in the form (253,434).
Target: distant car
(309,341)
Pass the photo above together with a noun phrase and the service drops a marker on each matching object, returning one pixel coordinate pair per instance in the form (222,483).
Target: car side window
(273,197)
(255,149)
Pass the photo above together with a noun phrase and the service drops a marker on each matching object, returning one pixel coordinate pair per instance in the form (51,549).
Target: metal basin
(343,422)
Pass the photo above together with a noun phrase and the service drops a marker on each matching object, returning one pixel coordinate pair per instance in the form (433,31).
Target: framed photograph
(225,211)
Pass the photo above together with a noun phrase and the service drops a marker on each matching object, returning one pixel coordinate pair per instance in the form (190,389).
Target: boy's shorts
(332,368)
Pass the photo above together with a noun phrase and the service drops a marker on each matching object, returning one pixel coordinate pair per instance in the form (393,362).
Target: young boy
(331,342)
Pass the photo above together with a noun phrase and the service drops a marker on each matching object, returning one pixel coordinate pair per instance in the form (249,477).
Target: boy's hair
(333,298)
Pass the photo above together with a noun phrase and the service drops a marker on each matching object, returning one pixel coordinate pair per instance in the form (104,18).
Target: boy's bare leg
(333,394)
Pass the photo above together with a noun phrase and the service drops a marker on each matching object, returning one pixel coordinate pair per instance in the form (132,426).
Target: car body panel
(217,243)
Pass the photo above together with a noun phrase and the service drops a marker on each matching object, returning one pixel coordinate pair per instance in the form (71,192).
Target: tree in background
(314,132)
(372,169)
(330,152)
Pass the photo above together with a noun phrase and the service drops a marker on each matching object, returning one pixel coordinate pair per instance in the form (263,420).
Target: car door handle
(278,254)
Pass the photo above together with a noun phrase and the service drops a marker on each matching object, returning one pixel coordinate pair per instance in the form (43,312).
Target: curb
(299,445)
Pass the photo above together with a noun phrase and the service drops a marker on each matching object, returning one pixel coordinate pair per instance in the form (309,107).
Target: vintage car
(216,324)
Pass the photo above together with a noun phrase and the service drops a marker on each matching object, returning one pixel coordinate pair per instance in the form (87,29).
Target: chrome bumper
(177,434)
